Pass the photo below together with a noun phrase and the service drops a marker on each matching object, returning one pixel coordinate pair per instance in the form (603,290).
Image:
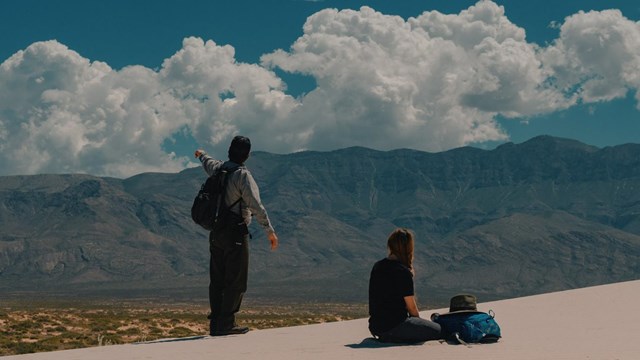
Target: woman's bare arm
(412,307)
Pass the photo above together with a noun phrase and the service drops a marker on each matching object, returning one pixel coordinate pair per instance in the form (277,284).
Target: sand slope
(601,322)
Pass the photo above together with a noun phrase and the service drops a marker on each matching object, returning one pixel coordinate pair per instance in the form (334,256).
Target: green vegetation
(30,328)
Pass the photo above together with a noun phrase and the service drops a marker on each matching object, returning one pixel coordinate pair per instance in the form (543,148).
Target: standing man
(229,244)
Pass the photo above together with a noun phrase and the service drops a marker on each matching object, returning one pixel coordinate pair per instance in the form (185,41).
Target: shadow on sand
(172,340)
(373,343)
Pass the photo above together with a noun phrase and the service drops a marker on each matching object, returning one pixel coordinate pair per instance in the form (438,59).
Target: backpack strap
(457,336)
(224,191)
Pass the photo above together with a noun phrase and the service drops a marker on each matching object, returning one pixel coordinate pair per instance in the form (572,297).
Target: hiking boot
(232,331)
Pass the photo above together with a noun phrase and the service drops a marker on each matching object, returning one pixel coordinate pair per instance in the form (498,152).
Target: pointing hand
(273,238)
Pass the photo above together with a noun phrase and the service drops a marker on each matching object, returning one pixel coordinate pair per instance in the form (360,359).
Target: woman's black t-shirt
(389,283)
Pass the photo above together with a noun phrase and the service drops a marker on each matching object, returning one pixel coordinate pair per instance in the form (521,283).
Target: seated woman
(393,310)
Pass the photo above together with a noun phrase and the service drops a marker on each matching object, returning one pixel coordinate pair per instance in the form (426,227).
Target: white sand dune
(601,322)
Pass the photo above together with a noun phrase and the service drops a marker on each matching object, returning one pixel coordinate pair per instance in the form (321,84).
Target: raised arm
(209,164)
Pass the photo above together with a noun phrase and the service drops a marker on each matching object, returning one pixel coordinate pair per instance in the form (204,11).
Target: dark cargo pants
(412,330)
(228,273)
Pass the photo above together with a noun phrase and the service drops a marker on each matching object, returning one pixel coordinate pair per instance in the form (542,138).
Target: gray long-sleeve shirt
(240,185)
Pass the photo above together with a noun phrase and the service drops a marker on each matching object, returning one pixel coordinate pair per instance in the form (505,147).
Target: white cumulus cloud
(431,82)
(222,97)
(59,112)
(62,113)
(597,55)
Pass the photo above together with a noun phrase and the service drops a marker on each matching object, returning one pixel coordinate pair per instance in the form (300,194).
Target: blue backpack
(468,327)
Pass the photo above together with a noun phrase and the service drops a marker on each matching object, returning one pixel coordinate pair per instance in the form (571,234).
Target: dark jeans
(228,273)
(412,330)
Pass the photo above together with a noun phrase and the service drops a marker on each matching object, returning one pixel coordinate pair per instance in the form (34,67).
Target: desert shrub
(51,343)
(113,339)
(181,331)
(74,344)
(75,337)
(77,327)
(130,331)
(103,325)
(24,326)
(43,319)
(24,347)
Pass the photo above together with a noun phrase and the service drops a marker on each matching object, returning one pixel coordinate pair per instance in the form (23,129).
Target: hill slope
(544,215)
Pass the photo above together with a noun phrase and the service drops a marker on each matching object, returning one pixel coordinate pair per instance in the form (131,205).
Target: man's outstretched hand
(273,239)
(198,153)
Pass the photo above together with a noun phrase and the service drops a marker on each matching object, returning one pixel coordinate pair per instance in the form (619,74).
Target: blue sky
(120,87)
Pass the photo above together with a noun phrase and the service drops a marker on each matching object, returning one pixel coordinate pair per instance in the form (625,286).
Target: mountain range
(544,215)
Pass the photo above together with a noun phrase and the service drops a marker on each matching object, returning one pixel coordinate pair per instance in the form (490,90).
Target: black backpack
(208,206)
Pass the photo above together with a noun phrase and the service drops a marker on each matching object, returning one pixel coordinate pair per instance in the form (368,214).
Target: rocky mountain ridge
(544,215)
